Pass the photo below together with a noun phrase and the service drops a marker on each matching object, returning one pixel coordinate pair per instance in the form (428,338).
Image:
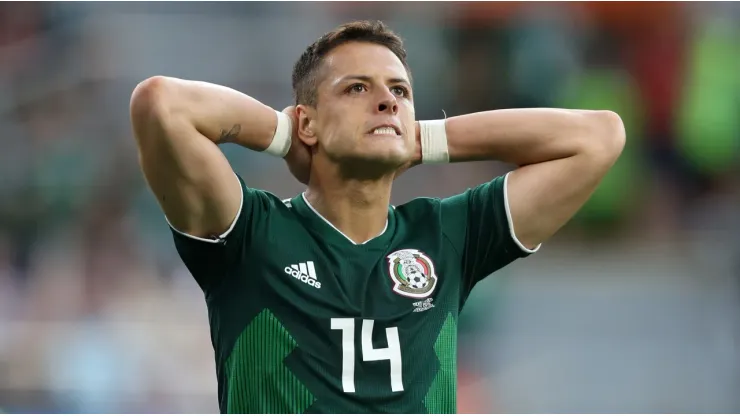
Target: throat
(358,224)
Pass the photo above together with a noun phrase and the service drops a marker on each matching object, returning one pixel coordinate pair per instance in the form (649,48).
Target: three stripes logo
(305,272)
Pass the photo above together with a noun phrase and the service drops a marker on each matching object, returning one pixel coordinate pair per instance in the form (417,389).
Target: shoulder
(268,200)
(419,208)
(263,200)
(428,214)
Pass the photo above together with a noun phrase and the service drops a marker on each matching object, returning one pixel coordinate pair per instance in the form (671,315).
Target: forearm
(562,156)
(218,113)
(530,136)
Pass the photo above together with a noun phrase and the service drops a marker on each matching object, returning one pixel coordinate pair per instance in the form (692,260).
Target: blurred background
(633,307)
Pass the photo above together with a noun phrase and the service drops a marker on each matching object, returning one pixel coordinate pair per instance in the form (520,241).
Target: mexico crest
(412,272)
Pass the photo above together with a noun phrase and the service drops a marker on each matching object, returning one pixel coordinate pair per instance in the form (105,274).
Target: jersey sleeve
(209,260)
(478,224)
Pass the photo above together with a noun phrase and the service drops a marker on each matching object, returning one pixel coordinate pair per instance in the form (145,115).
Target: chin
(378,156)
(375,164)
(392,159)
(388,153)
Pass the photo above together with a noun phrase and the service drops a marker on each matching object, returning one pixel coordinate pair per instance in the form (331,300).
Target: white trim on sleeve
(225,233)
(511,222)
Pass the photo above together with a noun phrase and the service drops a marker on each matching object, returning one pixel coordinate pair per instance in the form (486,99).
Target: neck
(356,207)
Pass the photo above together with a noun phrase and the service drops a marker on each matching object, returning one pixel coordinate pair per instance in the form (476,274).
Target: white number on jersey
(392,352)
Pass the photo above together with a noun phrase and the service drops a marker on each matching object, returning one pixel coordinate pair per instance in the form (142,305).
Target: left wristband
(434,142)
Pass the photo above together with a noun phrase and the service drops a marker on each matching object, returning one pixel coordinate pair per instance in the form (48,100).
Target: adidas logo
(305,272)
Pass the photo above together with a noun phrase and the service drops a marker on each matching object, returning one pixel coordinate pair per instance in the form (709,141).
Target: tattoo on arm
(227,136)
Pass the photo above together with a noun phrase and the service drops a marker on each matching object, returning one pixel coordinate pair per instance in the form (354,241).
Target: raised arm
(562,156)
(178,125)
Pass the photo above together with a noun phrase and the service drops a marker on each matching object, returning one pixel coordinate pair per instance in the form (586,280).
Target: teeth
(384,130)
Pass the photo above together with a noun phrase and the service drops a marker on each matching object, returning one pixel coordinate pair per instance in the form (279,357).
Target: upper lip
(393,126)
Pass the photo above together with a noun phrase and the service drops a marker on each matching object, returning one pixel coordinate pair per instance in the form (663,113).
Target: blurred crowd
(98,314)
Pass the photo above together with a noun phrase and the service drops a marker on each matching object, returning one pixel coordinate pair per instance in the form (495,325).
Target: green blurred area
(709,112)
(612,89)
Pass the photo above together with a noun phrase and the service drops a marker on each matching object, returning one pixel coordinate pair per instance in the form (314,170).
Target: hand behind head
(299,156)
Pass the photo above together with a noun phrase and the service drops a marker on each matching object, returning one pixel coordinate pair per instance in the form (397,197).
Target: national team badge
(412,272)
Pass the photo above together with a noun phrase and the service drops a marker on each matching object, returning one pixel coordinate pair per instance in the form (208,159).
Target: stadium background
(632,308)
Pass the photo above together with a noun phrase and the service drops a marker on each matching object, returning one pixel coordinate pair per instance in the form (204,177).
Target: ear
(306,116)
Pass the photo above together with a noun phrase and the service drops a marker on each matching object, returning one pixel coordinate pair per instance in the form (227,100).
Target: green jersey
(303,320)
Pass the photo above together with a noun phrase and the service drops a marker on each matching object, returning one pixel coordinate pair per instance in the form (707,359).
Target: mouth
(385,130)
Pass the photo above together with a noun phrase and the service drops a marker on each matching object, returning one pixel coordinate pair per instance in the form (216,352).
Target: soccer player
(334,301)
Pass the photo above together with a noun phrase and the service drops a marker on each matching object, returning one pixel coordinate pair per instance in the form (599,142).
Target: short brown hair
(306,70)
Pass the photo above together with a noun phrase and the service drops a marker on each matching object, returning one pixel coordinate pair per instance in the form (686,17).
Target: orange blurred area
(609,14)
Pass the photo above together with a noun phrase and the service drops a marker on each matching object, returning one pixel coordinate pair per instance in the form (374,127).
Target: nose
(388,103)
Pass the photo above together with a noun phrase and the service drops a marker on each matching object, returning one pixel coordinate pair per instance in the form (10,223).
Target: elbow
(607,136)
(150,110)
(614,133)
(149,99)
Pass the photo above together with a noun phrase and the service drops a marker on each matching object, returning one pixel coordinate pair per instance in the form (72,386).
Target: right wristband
(283,136)
(434,142)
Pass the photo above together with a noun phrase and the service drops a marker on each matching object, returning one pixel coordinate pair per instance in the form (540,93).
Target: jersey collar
(332,233)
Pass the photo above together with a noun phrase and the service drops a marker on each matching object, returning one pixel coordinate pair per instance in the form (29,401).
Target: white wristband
(434,142)
(282,139)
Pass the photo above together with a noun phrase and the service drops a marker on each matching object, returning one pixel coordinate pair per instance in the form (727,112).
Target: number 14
(392,352)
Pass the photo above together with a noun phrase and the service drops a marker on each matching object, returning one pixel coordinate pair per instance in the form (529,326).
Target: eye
(357,88)
(400,91)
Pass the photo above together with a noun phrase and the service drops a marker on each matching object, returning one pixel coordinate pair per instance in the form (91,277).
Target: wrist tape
(434,142)
(283,136)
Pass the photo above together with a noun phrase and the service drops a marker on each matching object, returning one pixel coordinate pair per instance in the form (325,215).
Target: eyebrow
(369,79)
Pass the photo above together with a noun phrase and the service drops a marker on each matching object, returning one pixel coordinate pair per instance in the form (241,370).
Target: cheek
(343,127)
(334,135)
(340,127)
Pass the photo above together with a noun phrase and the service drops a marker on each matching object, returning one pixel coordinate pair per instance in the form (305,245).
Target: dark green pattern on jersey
(278,281)
(442,396)
(259,381)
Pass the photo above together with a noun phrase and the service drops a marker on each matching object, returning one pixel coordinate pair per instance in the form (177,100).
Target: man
(334,301)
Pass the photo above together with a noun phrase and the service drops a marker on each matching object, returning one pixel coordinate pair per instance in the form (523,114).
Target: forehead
(362,58)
